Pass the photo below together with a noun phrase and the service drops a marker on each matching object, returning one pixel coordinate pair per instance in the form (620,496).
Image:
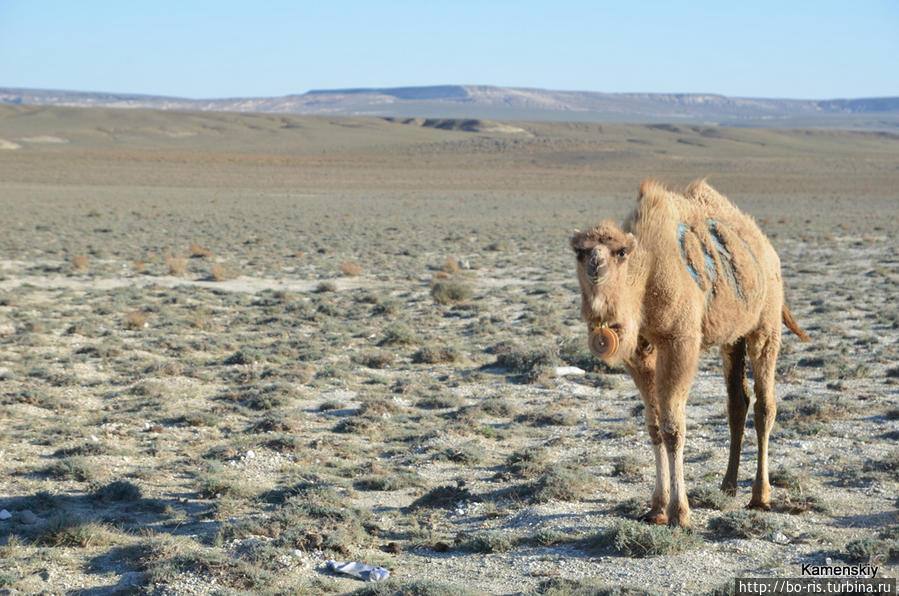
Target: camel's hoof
(759,506)
(654,517)
(678,517)
(603,342)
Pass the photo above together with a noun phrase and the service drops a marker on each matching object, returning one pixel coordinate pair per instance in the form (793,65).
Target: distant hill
(507,103)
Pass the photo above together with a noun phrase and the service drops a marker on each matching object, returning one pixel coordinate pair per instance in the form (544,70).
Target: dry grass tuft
(199,252)
(136,320)
(351,269)
(68,529)
(177,265)
(218,272)
(80,263)
(450,265)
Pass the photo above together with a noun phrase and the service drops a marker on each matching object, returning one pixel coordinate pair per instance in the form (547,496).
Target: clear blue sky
(764,48)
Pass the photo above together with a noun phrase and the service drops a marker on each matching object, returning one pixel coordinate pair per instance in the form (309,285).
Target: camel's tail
(791,324)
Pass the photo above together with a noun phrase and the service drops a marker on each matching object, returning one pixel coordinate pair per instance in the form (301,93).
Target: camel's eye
(622,252)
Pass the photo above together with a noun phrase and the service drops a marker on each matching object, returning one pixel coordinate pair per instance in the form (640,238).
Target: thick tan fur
(688,271)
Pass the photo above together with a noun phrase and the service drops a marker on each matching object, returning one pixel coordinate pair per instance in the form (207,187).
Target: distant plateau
(515,104)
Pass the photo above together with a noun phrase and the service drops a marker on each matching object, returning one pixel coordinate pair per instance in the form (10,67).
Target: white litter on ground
(569,371)
(363,571)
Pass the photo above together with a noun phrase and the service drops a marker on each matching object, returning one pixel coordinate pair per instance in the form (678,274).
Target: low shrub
(447,292)
(637,539)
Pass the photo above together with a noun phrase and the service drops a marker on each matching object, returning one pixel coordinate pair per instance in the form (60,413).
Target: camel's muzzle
(598,269)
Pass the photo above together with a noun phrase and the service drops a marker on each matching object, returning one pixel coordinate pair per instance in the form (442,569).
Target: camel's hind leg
(763,347)
(642,368)
(734,360)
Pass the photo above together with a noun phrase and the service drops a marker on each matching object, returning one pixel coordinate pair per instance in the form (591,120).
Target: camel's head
(607,304)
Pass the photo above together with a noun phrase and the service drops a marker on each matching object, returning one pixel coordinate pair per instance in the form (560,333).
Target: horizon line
(348,90)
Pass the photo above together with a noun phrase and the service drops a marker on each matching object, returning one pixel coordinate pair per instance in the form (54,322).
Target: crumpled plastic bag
(363,571)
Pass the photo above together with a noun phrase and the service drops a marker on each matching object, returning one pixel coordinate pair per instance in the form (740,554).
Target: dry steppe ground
(233,347)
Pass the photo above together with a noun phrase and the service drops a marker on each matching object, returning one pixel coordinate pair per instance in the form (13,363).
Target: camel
(686,272)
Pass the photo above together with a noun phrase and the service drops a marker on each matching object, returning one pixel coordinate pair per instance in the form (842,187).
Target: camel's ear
(576,240)
(630,242)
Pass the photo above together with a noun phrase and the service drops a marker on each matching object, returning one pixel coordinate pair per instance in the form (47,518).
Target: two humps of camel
(686,272)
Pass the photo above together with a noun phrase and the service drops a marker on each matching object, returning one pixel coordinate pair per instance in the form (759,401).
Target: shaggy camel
(687,272)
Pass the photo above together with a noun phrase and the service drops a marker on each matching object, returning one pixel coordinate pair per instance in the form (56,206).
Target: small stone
(779,537)
(27,517)
(5,514)
(249,454)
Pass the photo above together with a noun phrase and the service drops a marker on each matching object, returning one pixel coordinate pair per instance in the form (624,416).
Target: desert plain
(234,347)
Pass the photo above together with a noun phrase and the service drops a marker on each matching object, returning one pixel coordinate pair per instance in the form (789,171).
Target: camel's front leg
(677,361)
(642,368)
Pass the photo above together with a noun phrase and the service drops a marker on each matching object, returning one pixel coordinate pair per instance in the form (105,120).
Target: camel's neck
(638,275)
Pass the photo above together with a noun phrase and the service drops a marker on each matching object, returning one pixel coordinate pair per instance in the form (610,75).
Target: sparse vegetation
(199,252)
(436,355)
(528,463)
(80,263)
(218,272)
(76,467)
(399,334)
(711,497)
(120,490)
(450,292)
(136,319)
(68,529)
(177,265)
(561,484)
(173,435)
(422,587)
(883,548)
(744,524)
(442,497)
(585,587)
(351,269)
(636,539)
